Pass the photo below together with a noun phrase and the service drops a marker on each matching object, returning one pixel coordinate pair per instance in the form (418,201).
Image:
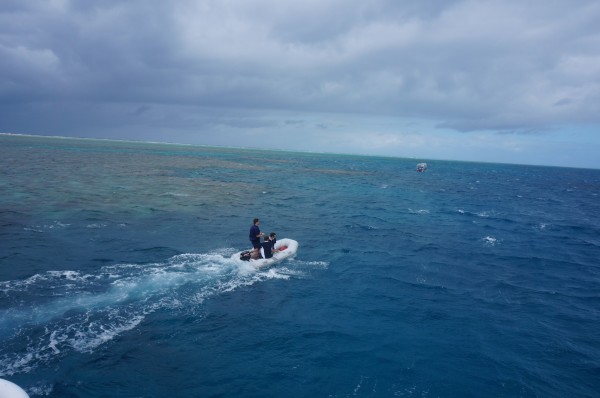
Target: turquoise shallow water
(468,280)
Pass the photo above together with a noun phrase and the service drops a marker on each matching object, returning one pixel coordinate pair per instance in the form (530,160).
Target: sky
(497,81)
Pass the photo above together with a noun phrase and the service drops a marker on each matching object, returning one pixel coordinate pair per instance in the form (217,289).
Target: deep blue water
(469,280)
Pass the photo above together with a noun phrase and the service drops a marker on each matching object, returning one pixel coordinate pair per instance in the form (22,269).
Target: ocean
(467,280)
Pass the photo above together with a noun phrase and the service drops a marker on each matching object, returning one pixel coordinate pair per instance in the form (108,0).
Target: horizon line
(282,150)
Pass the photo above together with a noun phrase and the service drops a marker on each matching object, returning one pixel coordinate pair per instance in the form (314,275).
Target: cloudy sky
(503,81)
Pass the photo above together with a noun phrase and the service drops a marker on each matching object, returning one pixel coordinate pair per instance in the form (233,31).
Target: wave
(490,241)
(40,228)
(481,214)
(418,211)
(70,311)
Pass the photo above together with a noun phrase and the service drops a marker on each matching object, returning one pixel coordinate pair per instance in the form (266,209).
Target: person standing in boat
(254,237)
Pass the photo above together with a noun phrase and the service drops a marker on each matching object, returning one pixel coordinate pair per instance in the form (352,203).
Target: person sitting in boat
(268,247)
(273,237)
(254,236)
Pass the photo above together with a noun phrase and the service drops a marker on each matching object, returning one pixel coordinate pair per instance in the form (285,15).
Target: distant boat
(421,167)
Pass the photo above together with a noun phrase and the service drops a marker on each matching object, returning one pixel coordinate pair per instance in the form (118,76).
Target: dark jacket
(268,248)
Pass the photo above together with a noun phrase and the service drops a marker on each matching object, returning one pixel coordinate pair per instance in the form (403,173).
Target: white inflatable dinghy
(289,246)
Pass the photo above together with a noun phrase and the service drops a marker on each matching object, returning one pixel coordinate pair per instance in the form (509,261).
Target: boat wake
(49,315)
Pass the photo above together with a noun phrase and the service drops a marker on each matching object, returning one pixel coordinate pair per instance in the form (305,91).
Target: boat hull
(290,251)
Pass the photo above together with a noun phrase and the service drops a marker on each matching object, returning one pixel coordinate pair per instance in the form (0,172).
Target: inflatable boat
(287,249)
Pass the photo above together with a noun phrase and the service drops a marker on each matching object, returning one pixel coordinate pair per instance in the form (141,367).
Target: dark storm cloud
(469,65)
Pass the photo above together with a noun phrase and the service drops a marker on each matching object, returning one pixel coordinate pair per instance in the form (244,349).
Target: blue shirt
(254,232)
